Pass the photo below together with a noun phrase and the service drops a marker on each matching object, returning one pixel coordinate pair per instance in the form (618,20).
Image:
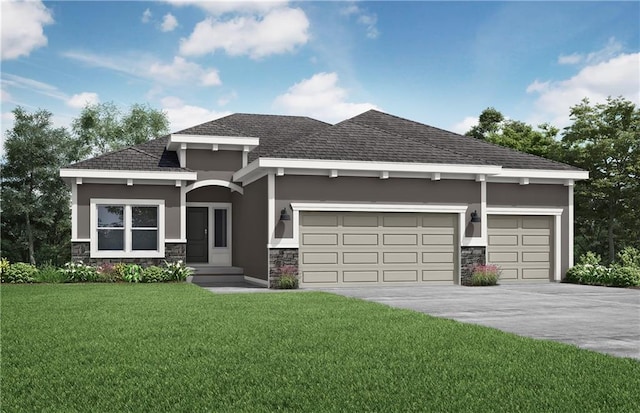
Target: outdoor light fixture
(475,217)
(284,216)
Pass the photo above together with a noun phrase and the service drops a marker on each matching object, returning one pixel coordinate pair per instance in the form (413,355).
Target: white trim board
(215,182)
(120,174)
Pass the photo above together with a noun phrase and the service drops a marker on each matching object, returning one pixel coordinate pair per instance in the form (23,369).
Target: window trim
(128,228)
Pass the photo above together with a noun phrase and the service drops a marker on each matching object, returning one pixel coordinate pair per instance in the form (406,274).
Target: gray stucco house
(375,199)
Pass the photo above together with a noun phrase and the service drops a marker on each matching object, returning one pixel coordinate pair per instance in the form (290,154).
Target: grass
(178,348)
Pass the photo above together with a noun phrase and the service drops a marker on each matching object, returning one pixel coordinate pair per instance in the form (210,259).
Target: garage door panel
(503,240)
(400,276)
(400,239)
(536,240)
(400,220)
(439,221)
(509,273)
(436,275)
(535,256)
(497,257)
(536,223)
(360,276)
(434,239)
(349,220)
(437,257)
(360,257)
(360,239)
(320,239)
(314,220)
(535,273)
(320,276)
(400,257)
(320,258)
(503,222)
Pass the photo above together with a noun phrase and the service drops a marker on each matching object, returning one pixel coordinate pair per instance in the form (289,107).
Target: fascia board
(543,173)
(111,174)
(176,139)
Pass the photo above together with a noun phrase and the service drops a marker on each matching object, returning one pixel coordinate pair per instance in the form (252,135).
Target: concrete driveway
(601,319)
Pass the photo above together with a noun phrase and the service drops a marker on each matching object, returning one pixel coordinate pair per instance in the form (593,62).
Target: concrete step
(205,269)
(218,278)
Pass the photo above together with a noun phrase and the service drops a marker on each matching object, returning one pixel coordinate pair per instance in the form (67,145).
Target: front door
(197,234)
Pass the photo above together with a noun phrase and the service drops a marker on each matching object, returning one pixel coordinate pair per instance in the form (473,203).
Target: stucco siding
(170,194)
(209,194)
(208,160)
(369,190)
(249,228)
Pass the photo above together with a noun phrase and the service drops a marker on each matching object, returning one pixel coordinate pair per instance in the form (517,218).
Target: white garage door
(521,246)
(358,248)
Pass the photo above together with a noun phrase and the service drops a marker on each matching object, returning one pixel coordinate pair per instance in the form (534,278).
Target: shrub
(624,276)
(485,274)
(4,266)
(78,272)
(109,273)
(153,274)
(629,257)
(19,272)
(132,273)
(589,271)
(176,271)
(50,274)
(288,277)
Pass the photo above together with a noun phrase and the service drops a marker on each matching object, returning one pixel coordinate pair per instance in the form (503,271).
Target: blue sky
(439,63)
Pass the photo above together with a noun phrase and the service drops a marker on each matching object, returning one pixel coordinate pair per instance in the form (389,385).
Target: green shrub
(485,274)
(4,266)
(76,272)
(176,271)
(153,274)
(588,274)
(20,272)
(132,273)
(620,276)
(109,273)
(288,277)
(629,257)
(590,258)
(50,274)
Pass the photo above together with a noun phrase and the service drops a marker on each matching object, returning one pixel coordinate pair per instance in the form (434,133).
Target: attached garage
(522,246)
(374,247)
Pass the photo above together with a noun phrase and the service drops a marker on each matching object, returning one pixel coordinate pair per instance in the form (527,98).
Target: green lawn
(178,348)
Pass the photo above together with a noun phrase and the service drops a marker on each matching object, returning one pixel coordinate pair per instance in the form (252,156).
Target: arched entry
(208,222)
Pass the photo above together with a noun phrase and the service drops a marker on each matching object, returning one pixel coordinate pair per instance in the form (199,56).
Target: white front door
(217,232)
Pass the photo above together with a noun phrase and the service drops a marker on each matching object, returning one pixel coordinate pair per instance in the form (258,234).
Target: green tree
(102,127)
(35,200)
(605,140)
(493,127)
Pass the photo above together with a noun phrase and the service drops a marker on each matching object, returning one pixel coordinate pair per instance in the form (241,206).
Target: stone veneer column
(277,258)
(469,256)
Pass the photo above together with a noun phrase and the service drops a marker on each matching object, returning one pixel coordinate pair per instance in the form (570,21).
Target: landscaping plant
(624,273)
(288,277)
(132,273)
(79,272)
(19,272)
(50,274)
(176,271)
(485,274)
(153,274)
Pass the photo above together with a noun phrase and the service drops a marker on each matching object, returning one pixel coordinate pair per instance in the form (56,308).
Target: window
(127,228)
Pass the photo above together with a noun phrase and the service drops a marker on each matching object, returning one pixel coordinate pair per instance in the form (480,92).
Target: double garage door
(369,248)
(521,246)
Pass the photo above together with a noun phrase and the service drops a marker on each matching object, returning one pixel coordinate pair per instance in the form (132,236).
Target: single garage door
(521,246)
(367,248)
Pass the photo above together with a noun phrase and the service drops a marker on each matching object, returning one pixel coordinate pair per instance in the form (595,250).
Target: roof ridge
(135,148)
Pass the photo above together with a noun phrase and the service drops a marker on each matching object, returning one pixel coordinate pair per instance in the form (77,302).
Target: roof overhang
(223,143)
(384,170)
(126,177)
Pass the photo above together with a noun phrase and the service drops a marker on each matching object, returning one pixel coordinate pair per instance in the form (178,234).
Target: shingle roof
(370,136)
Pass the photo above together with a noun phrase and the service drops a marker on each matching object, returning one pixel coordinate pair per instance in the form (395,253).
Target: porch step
(204,269)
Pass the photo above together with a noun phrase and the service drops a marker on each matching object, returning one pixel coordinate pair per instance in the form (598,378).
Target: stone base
(279,257)
(470,256)
(173,252)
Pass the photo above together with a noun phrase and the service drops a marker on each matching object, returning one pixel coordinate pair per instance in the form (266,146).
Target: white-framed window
(127,228)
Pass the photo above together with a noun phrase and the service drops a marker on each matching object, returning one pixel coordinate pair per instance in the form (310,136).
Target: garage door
(367,248)
(521,246)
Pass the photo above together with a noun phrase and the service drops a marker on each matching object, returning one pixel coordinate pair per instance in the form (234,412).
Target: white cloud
(182,116)
(179,71)
(612,49)
(217,8)
(80,100)
(23,27)
(617,76)
(571,59)
(5,96)
(169,22)
(278,31)
(369,20)
(32,85)
(464,125)
(146,16)
(320,97)
(224,100)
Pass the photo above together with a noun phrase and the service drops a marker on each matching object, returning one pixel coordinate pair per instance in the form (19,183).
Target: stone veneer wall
(469,256)
(81,251)
(277,258)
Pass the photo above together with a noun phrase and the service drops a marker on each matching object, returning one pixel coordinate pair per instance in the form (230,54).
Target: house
(375,199)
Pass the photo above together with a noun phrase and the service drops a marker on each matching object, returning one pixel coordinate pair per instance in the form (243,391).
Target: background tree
(493,127)
(605,140)
(35,201)
(102,128)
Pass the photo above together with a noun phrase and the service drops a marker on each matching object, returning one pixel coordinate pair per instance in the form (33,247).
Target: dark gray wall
(366,190)
(170,194)
(208,160)
(209,194)
(250,237)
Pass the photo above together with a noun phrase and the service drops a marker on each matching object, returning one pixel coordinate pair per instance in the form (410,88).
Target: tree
(605,140)
(102,128)
(35,200)
(493,127)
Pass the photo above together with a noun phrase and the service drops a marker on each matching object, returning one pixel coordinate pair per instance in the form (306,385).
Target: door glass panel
(220,228)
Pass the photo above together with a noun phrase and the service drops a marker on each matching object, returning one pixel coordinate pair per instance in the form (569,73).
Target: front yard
(176,347)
